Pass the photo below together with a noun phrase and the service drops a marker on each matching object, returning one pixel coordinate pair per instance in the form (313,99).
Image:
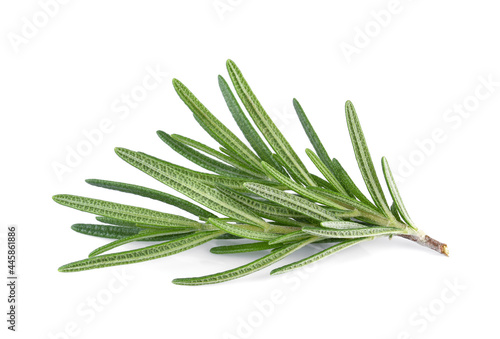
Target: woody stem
(427,241)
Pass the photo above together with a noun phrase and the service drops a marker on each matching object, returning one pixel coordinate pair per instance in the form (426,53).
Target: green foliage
(262,192)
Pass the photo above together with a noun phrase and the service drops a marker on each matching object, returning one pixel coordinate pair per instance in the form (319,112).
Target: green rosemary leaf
(249,268)
(132,225)
(393,189)
(347,202)
(142,254)
(349,185)
(117,222)
(263,209)
(244,231)
(233,155)
(213,180)
(318,256)
(318,146)
(307,193)
(321,166)
(290,237)
(140,216)
(321,182)
(149,235)
(311,133)
(230,140)
(291,201)
(341,225)
(395,212)
(351,233)
(210,132)
(117,232)
(227,236)
(153,194)
(181,181)
(243,248)
(199,158)
(106,231)
(245,125)
(364,159)
(298,222)
(288,170)
(219,155)
(266,125)
(348,214)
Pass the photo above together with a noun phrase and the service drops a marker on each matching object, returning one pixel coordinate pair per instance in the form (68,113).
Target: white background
(408,79)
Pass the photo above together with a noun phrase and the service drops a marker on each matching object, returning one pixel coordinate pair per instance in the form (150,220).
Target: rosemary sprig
(253,193)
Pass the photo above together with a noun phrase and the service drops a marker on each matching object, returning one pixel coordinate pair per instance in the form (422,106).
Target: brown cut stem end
(429,242)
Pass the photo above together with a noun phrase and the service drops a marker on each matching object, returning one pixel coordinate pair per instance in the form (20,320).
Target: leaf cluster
(258,190)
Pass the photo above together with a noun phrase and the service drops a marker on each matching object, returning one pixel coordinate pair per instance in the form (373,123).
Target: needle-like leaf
(245,125)
(345,201)
(349,185)
(351,233)
(153,194)
(212,180)
(142,254)
(321,182)
(364,159)
(290,237)
(106,231)
(289,170)
(229,140)
(318,256)
(307,193)
(140,216)
(244,231)
(393,189)
(198,191)
(201,159)
(243,248)
(117,222)
(146,235)
(395,212)
(266,125)
(219,155)
(296,203)
(241,271)
(322,154)
(342,225)
(119,232)
(264,209)
(372,214)
(321,166)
